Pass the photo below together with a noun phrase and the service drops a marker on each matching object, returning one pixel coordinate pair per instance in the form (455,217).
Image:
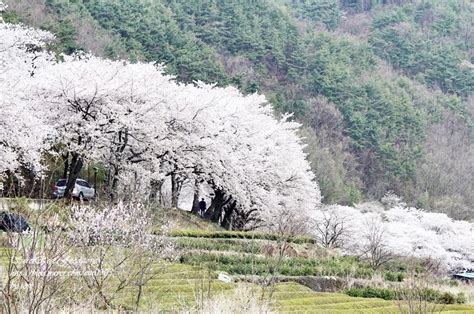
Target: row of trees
(380,234)
(145,128)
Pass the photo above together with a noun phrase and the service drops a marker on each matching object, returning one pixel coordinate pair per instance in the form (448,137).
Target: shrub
(369,292)
(251,265)
(425,294)
(239,235)
(390,276)
(461,298)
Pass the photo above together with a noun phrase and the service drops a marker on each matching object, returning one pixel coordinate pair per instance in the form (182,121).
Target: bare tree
(373,246)
(286,226)
(331,229)
(414,294)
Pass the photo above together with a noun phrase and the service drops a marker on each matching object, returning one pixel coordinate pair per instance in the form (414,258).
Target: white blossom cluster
(119,224)
(405,232)
(22,130)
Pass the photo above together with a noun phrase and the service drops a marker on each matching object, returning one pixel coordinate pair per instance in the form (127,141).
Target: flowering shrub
(119,247)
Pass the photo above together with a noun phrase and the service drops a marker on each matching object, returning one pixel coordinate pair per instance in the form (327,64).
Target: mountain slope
(373,82)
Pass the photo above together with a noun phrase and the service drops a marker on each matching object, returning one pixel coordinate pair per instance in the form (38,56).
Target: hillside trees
(430,41)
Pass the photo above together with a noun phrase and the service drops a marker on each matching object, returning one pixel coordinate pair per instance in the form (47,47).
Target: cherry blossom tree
(143,124)
(146,128)
(117,250)
(403,231)
(22,129)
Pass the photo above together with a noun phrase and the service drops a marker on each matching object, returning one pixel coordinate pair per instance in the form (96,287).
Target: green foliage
(66,37)
(429,42)
(252,265)
(11,17)
(389,276)
(238,235)
(425,294)
(232,245)
(368,292)
(323,11)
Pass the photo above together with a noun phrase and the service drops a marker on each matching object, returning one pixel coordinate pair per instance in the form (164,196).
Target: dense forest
(383,88)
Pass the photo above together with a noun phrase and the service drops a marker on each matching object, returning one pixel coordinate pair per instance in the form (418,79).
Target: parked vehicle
(12,222)
(82,189)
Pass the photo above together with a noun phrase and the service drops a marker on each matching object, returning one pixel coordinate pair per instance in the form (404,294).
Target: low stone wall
(323,283)
(35,204)
(315,283)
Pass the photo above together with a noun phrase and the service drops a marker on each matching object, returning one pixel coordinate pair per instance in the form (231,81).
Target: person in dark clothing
(202,207)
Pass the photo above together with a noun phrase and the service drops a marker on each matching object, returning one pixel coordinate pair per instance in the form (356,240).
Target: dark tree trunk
(214,212)
(66,165)
(121,145)
(155,193)
(176,185)
(215,209)
(174,191)
(113,188)
(228,215)
(74,169)
(155,186)
(195,209)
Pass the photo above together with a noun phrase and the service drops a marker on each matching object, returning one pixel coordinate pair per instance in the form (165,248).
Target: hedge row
(231,245)
(239,235)
(251,265)
(425,294)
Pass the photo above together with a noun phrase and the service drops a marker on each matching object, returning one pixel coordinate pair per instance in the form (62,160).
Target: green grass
(298,266)
(179,286)
(427,294)
(171,294)
(230,245)
(293,297)
(239,235)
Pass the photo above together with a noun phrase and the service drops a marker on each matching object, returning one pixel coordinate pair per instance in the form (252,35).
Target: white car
(82,189)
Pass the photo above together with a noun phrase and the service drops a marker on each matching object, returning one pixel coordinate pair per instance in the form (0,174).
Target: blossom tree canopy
(407,232)
(22,129)
(142,124)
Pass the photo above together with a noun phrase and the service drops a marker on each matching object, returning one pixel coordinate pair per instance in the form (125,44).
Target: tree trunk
(174,191)
(195,208)
(214,212)
(66,165)
(228,211)
(74,169)
(113,188)
(154,190)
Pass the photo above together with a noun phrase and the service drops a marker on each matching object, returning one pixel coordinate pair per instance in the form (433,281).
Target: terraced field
(179,286)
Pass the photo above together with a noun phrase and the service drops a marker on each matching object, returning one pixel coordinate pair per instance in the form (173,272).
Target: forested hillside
(384,88)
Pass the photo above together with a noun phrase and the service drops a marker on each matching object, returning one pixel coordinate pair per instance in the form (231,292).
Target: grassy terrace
(178,286)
